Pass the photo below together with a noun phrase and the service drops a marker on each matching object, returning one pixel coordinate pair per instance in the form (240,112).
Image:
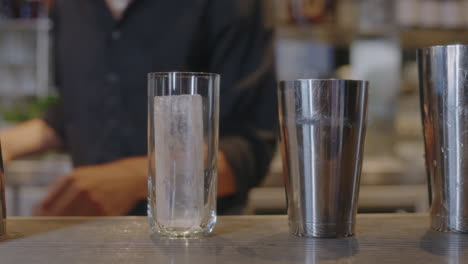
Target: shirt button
(116,34)
(112,77)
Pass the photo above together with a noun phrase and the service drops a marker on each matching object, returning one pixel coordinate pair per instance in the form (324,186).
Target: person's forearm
(138,166)
(226,177)
(27,138)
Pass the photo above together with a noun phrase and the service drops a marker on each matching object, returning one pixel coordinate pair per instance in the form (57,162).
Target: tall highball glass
(183,112)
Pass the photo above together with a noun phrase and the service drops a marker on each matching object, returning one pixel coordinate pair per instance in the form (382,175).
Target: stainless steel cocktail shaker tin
(443,76)
(322,140)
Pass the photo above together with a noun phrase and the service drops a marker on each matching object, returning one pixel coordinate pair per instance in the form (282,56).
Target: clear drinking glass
(183,111)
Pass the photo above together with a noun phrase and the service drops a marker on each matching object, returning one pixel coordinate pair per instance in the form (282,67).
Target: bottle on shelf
(346,13)
(281,11)
(407,13)
(451,16)
(311,11)
(376,16)
(464,9)
(6,9)
(27,9)
(429,13)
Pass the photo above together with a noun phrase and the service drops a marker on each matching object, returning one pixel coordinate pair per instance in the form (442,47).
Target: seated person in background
(103,51)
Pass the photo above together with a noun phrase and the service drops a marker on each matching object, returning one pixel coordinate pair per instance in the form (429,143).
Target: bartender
(103,51)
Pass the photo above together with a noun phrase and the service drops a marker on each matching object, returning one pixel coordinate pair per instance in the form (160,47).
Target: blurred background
(352,39)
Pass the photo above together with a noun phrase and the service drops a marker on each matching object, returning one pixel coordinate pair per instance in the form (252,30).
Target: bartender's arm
(242,51)
(106,189)
(30,137)
(247,129)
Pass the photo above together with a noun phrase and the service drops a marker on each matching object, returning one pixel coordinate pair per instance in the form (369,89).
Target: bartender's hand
(112,189)
(27,138)
(101,190)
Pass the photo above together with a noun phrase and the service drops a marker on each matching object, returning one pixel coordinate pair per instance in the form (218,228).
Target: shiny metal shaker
(322,139)
(2,197)
(443,76)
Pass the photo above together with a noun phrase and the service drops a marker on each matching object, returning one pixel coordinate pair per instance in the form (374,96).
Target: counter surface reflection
(399,238)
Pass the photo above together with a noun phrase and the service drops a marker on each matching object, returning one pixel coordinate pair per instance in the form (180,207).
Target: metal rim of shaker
(436,47)
(285,84)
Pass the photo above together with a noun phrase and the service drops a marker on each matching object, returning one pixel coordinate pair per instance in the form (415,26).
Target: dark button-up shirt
(101,68)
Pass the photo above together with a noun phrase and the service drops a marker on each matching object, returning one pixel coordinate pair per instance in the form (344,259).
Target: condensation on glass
(183,113)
